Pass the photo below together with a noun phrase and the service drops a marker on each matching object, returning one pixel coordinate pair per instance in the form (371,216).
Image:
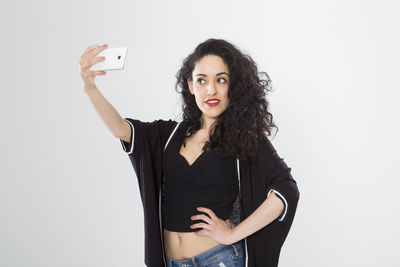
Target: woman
(191,168)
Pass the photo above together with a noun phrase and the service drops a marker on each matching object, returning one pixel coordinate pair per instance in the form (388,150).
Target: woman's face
(210,81)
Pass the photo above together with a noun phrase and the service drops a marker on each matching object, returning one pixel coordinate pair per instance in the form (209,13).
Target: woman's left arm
(282,197)
(223,232)
(268,211)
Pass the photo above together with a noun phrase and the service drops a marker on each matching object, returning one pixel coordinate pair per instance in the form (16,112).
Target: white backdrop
(68,192)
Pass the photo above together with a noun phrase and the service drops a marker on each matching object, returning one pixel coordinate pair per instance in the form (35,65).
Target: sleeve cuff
(279,195)
(128,147)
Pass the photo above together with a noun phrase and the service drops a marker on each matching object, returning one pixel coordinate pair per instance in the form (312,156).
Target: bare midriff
(185,245)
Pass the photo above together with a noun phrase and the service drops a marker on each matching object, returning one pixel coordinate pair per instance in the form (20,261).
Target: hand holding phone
(115,59)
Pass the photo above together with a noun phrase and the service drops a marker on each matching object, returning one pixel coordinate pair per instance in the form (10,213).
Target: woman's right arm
(109,115)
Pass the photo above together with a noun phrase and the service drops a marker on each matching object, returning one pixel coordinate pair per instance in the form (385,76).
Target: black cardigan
(257,180)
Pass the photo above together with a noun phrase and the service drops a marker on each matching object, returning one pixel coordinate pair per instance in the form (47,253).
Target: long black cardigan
(257,180)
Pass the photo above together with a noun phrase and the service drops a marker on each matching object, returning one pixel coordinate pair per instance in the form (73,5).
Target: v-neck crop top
(211,181)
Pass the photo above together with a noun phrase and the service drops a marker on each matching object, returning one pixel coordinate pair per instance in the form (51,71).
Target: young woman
(214,190)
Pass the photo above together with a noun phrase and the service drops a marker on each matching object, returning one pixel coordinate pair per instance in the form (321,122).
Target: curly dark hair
(237,131)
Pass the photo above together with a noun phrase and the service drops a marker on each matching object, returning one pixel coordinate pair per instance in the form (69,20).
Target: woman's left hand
(216,228)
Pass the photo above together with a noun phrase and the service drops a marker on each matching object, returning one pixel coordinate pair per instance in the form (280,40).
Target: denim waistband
(237,249)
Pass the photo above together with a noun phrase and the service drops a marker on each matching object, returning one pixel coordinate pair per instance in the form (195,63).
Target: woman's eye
(224,80)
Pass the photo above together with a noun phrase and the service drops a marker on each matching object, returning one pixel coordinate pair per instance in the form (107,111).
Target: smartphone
(115,59)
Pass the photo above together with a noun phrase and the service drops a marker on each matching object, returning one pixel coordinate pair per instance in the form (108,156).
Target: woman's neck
(206,123)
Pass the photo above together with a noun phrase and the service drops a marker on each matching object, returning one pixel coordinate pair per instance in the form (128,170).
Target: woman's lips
(212,102)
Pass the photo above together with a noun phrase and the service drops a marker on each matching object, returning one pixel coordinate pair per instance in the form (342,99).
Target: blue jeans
(219,256)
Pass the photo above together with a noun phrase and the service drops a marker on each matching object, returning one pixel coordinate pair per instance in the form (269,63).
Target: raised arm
(109,115)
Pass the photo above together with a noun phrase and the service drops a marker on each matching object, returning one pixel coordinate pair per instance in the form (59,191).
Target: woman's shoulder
(265,148)
(163,127)
(154,123)
(167,122)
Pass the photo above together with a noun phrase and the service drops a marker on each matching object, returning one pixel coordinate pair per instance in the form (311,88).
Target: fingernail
(104,45)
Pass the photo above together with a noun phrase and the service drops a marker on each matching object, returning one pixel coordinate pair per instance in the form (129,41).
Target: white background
(68,192)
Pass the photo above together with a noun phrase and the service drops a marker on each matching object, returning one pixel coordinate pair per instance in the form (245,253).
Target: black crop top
(211,181)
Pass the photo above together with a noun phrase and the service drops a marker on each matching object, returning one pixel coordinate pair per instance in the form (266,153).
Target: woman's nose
(211,89)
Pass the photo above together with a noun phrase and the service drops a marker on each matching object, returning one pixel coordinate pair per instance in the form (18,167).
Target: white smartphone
(115,59)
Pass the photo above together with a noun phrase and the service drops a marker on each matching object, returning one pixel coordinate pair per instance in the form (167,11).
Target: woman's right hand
(88,58)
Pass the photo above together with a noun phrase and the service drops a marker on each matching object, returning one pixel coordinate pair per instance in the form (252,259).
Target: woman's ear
(190,84)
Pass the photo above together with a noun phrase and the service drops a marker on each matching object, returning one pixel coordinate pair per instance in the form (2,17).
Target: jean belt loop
(236,251)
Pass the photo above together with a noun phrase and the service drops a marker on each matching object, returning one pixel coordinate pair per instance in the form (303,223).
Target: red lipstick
(212,102)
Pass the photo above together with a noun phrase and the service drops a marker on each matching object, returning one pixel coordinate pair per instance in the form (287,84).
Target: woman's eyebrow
(201,74)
